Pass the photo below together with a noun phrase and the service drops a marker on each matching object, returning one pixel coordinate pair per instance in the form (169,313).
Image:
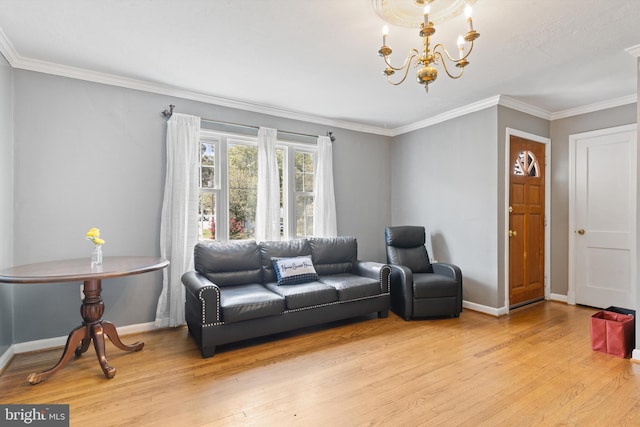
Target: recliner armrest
(448,270)
(374,270)
(205,291)
(401,282)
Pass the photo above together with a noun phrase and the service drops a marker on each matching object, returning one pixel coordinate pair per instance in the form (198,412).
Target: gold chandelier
(428,56)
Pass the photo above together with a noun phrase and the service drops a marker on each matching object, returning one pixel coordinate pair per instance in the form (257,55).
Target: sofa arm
(374,270)
(207,293)
(448,270)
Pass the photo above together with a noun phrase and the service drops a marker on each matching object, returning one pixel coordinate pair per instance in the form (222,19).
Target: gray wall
(450,178)
(92,155)
(87,155)
(444,177)
(560,131)
(6,201)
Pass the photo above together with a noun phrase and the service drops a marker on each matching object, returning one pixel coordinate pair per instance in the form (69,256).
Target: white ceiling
(318,59)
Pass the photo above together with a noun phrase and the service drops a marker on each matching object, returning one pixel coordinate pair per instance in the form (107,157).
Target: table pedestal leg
(93,328)
(75,337)
(110,330)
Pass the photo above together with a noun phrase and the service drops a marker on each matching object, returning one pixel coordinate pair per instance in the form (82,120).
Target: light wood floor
(533,367)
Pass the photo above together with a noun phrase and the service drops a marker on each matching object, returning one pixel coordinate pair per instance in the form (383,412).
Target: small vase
(96,255)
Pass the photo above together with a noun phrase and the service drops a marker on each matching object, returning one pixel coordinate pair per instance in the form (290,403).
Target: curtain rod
(168,113)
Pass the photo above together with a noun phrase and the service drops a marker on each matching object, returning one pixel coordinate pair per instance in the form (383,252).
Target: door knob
(513,233)
(581,232)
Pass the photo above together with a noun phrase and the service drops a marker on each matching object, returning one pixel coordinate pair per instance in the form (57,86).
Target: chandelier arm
(405,68)
(407,62)
(444,65)
(468,53)
(441,46)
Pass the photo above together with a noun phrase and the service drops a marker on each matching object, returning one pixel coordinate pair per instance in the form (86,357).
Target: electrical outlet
(82,292)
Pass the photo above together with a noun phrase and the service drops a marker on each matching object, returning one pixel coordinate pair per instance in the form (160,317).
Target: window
(526,164)
(228,187)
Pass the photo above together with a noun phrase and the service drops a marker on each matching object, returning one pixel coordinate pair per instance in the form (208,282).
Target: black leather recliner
(418,287)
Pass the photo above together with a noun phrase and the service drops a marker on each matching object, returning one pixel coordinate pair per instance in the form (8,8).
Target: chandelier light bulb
(385,33)
(427,9)
(460,44)
(467,11)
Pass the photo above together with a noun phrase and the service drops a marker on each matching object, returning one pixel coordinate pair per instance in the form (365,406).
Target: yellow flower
(94,235)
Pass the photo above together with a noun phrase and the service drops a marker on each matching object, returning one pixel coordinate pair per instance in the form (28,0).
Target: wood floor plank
(533,367)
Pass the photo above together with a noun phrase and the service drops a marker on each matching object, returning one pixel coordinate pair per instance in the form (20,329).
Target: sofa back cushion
(281,249)
(333,255)
(229,263)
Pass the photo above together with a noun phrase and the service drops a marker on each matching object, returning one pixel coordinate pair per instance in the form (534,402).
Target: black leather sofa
(234,294)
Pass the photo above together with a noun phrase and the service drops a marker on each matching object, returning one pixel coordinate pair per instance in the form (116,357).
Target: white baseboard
(559,298)
(47,343)
(6,357)
(496,312)
(635,355)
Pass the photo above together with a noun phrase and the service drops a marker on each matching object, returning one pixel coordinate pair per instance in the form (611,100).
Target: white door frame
(571,290)
(547,210)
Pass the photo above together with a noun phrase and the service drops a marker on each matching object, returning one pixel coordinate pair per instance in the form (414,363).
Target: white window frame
(221,141)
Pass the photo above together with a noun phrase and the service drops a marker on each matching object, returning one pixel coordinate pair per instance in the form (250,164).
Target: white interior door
(603,218)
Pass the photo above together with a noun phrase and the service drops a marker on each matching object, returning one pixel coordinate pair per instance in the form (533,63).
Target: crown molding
(523,107)
(502,100)
(114,80)
(598,106)
(19,62)
(633,50)
(448,115)
(7,50)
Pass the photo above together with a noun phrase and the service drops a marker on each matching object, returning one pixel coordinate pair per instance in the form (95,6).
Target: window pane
(206,216)
(304,215)
(304,172)
(243,181)
(207,165)
(526,164)
(280,162)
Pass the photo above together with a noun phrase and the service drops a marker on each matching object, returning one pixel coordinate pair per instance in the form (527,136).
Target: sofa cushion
(280,249)
(431,285)
(229,263)
(305,294)
(333,255)
(243,302)
(291,271)
(351,286)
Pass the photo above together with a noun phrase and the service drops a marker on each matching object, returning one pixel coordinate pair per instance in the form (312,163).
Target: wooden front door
(526,221)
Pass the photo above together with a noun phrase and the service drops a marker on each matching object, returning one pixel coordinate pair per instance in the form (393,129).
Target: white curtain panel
(324,207)
(268,201)
(178,223)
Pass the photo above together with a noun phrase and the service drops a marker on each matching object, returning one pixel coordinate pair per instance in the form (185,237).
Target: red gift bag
(612,333)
